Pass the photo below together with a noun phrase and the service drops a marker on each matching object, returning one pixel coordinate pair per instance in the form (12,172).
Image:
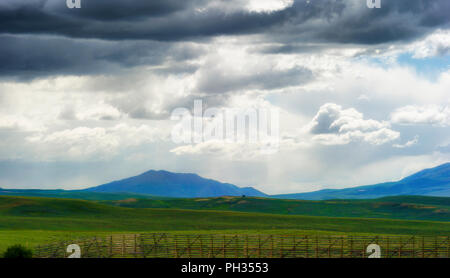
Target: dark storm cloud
(118,19)
(290,48)
(397,20)
(89,22)
(320,20)
(44,37)
(126,10)
(215,80)
(33,56)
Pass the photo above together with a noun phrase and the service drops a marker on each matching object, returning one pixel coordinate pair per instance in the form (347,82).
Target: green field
(404,207)
(32,220)
(399,207)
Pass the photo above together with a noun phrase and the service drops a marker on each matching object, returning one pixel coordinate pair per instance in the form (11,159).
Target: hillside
(403,207)
(20,213)
(428,182)
(73,194)
(168,184)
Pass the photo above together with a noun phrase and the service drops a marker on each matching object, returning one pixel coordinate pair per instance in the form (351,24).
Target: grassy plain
(32,220)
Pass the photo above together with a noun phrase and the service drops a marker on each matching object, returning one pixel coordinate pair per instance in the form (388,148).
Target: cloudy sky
(86,95)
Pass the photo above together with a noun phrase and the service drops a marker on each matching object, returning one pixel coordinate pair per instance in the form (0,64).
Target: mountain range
(163,184)
(428,182)
(168,184)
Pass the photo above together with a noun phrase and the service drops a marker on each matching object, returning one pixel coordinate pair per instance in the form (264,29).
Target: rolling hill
(400,207)
(50,214)
(397,207)
(428,182)
(168,184)
(73,194)
(36,220)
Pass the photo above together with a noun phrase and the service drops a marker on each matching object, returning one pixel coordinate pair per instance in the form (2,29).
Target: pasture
(36,221)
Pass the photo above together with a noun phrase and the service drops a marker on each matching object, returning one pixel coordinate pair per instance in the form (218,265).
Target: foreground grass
(33,238)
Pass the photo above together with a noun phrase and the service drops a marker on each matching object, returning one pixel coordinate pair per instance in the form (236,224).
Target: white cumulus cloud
(408,144)
(97,143)
(268,5)
(431,115)
(334,125)
(436,44)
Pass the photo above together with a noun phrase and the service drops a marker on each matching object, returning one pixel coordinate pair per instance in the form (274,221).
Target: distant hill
(428,182)
(168,184)
(398,207)
(74,194)
(19,214)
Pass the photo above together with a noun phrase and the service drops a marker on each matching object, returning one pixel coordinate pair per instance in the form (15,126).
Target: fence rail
(162,245)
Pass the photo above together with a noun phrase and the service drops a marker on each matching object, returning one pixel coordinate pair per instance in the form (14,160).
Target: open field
(398,207)
(402,207)
(32,221)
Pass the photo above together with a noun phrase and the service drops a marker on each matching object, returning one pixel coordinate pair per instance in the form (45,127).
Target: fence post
(423,247)
(259,246)
(142,246)
(224,246)
(329,246)
(201,246)
(97,251)
(281,248)
(189,246)
(154,249)
(110,246)
(271,246)
(363,253)
(317,246)
(387,248)
(413,247)
(167,244)
(176,245)
(237,247)
(307,247)
(135,247)
(351,247)
(212,247)
(246,246)
(448,247)
(436,247)
(123,245)
(295,245)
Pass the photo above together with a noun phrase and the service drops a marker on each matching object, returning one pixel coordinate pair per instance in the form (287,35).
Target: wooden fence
(161,245)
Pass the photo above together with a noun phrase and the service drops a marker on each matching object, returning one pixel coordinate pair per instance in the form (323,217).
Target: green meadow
(403,207)
(36,220)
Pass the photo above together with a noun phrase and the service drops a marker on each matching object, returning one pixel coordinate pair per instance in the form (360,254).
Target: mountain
(428,182)
(168,184)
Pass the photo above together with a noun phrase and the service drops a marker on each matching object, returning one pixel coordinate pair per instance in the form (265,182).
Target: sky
(87,94)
